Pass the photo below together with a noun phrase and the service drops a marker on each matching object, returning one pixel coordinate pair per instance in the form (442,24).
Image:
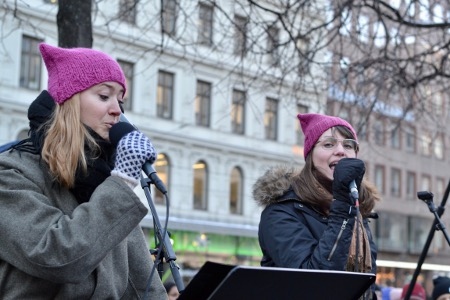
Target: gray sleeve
(42,240)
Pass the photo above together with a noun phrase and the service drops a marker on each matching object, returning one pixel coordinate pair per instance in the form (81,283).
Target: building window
(437,104)
(303,44)
(273,37)
(360,78)
(343,71)
(425,183)
(378,131)
(236,191)
(165,95)
(205,28)
(128,70)
(395,138)
(127,11)
(300,137)
(410,140)
(202,103)
(396,182)
(238,112)
(418,233)
(240,35)
(425,144)
(200,185)
(362,131)
(411,188)
(271,119)
(440,188)
(30,64)
(439,245)
(379,178)
(392,232)
(438,146)
(169,17)
(162,167)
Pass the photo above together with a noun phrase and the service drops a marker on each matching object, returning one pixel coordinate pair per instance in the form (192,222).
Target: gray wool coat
(51,247)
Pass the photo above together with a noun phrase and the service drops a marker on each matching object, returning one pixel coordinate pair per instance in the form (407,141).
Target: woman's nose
(115,109)
(339,149)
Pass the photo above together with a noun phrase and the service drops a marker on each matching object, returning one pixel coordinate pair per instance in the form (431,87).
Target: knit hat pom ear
(314,125)
(74,70)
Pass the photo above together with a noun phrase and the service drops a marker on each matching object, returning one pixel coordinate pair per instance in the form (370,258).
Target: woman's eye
(328,145)
(103,97)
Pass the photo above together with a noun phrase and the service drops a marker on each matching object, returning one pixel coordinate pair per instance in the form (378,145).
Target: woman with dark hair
(309,218)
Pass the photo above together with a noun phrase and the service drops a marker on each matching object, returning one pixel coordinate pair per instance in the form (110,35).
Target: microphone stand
(427,197)
(164,247)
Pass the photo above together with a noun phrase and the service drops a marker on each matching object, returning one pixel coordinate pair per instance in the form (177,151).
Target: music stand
(216,281)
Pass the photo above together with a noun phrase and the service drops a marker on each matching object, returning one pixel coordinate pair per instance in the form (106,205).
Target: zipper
(344,223)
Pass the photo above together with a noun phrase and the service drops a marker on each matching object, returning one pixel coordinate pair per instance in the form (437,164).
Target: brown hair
(313,188)
(64,142)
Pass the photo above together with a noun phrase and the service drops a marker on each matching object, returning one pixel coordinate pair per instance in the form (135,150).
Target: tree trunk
(74,23)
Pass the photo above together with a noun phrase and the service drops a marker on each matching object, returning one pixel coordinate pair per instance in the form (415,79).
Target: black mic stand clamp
(158,254)
(427,197)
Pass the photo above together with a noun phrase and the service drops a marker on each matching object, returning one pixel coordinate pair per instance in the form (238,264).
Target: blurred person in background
(418,292)
(441,290)
(172,290)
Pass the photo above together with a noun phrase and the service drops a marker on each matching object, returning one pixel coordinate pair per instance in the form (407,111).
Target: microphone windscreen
(118,131)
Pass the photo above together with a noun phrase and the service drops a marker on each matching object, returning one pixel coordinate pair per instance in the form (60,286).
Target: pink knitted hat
(314,125)
(71,71)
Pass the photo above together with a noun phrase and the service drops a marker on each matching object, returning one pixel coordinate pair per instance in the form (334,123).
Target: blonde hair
(64,142)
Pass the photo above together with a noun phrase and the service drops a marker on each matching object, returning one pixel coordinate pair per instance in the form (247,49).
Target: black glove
(347,170)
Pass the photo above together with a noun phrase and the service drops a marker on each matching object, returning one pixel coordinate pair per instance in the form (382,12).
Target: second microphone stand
(427,197)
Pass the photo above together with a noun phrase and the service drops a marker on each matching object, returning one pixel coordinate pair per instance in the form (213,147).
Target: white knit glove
(133,150)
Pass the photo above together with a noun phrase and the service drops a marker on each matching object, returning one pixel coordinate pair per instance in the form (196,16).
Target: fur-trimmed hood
(275,183)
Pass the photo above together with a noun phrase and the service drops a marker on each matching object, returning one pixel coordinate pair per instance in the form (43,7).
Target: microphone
(354,190)
(121,129)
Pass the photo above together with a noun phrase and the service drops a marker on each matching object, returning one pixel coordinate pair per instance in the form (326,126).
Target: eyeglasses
(331,143)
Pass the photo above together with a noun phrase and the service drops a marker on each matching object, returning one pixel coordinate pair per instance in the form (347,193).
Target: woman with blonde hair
(68,216)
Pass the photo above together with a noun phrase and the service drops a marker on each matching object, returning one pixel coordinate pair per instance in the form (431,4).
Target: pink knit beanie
(314,125)
(71,71)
